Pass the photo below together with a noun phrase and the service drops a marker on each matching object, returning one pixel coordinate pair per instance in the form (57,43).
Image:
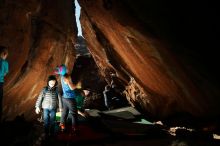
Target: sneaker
(62,127)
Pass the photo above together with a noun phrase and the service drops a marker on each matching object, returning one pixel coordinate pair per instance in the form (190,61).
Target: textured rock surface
(122,39)
(40,36)
(156,80)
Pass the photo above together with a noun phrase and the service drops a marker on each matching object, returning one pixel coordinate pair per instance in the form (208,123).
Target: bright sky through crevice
(77,18)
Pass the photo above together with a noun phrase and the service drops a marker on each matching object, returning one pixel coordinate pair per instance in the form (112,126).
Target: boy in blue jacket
(3,72)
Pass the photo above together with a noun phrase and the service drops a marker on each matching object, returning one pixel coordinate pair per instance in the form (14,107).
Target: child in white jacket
(49,99)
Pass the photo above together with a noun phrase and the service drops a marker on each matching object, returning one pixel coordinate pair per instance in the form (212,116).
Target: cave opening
(77,14)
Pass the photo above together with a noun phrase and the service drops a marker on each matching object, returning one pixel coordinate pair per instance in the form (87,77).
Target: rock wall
(156,80)
(129,46)
(40,35)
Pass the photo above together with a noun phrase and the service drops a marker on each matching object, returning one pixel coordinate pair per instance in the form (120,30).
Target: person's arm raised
(70,83)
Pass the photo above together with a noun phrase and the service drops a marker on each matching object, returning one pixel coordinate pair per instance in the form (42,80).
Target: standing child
(49,99)
(3,71)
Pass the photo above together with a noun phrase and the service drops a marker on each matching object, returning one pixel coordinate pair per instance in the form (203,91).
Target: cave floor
(107,130)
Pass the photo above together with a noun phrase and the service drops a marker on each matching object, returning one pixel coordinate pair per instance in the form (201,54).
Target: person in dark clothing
(108,95)
(4,69)
(112,98)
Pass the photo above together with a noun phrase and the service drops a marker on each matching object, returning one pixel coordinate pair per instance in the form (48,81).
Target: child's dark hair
(3,50)
(52,77)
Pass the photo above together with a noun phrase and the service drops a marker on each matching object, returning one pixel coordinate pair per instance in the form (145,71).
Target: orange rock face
(155,80)
(41,35)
